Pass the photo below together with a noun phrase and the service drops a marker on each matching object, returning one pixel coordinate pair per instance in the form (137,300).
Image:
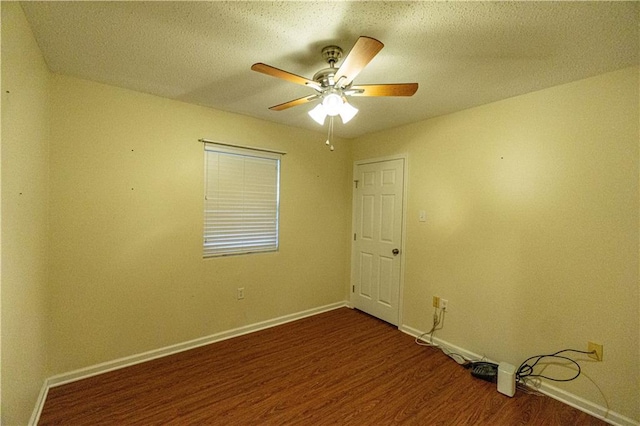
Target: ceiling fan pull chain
(330,133)
(328,141)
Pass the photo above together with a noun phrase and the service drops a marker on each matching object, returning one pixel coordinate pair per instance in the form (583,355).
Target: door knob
(395,251)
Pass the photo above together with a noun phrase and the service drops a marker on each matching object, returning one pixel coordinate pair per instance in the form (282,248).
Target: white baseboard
(105,367)
(42,397)
(575,401)
(589,407)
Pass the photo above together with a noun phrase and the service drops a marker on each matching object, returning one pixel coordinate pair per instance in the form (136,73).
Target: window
(242,195)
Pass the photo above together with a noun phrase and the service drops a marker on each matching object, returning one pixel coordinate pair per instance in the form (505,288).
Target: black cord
(526,370)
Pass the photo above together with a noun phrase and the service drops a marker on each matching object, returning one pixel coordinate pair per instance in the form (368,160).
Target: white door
(377,221)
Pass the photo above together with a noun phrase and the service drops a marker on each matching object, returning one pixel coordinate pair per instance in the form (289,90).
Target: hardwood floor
(340,367)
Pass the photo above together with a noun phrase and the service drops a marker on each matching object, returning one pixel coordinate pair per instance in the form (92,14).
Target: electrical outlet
(444,303)
(436,302)
(597,347)
(240,293)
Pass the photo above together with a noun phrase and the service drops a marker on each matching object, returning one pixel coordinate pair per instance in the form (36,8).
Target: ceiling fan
(333,85)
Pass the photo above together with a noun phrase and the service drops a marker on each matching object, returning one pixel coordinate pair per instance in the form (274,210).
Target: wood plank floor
(340,367)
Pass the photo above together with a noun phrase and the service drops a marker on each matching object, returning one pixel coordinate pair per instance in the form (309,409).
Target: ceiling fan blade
(285,75)
(403,89)
(294,102)
(365,49)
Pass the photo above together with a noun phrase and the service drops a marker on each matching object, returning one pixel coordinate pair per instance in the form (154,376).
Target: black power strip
(485,370)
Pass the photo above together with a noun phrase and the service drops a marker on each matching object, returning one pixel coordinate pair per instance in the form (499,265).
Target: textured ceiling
(462,54)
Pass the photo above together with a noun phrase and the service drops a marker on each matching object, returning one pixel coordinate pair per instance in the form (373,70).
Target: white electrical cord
(438,317)
(438,324)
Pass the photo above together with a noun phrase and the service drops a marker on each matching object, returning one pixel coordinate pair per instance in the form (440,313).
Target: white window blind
(241,201)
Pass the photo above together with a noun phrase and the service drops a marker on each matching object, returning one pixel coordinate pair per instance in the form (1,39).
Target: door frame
(403,238)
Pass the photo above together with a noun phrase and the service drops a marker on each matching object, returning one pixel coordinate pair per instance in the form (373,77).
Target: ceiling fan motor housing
(325,77)
(331,54)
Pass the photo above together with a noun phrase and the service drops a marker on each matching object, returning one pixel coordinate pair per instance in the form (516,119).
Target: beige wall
(127,273)
(25,194)
(532,228)
(531,232)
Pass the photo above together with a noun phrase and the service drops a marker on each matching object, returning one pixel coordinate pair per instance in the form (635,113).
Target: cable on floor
(525,370)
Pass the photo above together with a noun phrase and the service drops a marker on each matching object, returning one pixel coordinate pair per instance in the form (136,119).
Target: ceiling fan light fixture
(332,103)
(318,114)
(347,112)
